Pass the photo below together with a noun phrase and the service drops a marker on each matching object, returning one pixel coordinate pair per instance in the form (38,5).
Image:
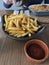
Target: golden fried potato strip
(20,25)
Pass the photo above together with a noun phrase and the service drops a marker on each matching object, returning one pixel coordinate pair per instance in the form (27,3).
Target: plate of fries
(21,26)
(39,9)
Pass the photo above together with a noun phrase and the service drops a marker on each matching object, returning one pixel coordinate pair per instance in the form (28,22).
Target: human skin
(10,1)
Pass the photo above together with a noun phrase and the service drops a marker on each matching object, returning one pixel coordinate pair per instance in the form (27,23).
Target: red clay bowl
(36,51)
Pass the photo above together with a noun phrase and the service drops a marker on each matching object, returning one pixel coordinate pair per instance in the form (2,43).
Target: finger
(14,1)
(6,1)
(10,0)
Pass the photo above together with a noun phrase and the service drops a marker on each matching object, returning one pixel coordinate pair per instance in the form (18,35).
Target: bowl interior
(41,45)
(30,7)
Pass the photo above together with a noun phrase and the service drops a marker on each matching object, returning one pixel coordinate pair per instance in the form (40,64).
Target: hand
(10,1)
(13,1)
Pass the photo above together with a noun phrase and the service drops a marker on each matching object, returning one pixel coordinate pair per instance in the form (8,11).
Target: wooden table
(43,19)
(12,51)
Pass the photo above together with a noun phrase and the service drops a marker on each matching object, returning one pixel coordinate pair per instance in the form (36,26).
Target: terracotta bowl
(42,45)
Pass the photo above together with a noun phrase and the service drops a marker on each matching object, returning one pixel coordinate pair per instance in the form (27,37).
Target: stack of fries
(20,25)
(40,8)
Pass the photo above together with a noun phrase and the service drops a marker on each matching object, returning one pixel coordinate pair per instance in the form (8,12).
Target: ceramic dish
(26,37)
(39,13)
(33,51)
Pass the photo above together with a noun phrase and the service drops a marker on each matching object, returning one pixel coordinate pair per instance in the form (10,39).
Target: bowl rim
(32,59)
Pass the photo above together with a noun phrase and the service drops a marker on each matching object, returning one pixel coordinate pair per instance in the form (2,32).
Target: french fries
(40,8)
(20,25)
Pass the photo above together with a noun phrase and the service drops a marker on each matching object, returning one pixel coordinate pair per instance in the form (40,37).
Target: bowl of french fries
(39,9)
(21,26)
